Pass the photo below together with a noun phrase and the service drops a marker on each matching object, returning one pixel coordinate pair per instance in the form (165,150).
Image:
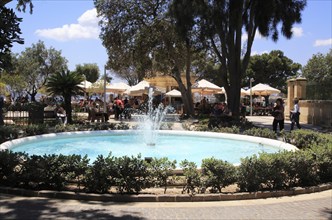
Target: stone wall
(316,112)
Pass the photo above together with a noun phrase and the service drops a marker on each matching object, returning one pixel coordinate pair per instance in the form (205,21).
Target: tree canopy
(222,25)
(36,63)
(141,41)
(89,70)
(319,68)
(273,68)
(10,30)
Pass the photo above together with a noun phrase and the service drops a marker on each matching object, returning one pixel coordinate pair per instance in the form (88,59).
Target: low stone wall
(316,112)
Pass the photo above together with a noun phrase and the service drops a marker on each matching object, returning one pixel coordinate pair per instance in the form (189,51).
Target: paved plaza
(309,206)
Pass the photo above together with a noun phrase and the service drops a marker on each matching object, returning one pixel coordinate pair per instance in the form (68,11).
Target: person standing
(295,115)
(279,116)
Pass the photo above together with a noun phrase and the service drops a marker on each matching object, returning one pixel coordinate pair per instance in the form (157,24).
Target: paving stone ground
(309,206)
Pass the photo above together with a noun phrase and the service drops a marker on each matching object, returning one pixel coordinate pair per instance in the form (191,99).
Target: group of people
(279,115)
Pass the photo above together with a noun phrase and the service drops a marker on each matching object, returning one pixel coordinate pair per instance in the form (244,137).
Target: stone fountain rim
(260,140)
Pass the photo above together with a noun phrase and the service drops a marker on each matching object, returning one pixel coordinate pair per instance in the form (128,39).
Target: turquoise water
(175,147)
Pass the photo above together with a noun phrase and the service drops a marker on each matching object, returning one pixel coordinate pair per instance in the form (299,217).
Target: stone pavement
(309,206)
(266,122)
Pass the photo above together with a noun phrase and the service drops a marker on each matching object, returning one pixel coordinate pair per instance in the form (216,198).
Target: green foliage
(193,177)
(278,67)
(10,33)
(261,132)
(98,177)
(304,139)
(76,168)
(66,84)
(36,129)
(130,174)
(90,71)
(10,167)
(322,156)
(218,174)
(160,170)
(44,172)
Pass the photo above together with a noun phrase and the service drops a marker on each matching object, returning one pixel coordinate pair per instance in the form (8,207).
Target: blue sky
(72,27)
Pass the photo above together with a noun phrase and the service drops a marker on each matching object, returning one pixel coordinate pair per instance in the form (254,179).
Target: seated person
(61,114)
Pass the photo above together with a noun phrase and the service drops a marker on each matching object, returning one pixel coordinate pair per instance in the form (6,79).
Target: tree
(10,31)
(66,84)
(222,24)
(141,41)
(273,69)
(319,68)
(90,71)
(36,63)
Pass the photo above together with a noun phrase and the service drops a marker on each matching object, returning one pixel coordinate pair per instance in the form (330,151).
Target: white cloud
(327,42)
(297,31)
(86,28)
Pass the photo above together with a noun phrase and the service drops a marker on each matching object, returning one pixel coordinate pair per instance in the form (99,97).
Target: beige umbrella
(143,88)
(173,93)
(117,87)
(205,87)
(262,90)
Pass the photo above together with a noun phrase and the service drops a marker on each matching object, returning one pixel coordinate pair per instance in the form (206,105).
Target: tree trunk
(68,109)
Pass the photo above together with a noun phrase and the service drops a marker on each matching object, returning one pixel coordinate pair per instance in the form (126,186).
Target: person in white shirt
(295,115)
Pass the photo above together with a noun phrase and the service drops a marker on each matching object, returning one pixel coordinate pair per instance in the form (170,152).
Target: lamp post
(250,84)
(105,89)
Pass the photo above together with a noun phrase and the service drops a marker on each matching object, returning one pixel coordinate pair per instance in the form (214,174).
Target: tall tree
(273,69)
(319,68)
(66,84)
(10,31)
(141,40)
(89,70)
(223,23)
(36,63)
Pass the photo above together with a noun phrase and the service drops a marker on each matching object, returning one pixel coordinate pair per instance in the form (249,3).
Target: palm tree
(66,84)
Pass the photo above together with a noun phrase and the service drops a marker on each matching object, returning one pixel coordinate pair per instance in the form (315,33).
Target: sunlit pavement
(309,206)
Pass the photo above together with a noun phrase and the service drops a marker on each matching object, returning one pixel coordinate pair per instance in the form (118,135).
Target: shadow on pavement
(47,209)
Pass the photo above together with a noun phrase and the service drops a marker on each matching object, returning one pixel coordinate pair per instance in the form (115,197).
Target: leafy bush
(36,129)
(44,172)
(10,167)
(193,178)
(218,174)
(261,132)
(323,160)
(130,174)
(76,168)
(303,139)
(232,130)
(160,171)
(98,176)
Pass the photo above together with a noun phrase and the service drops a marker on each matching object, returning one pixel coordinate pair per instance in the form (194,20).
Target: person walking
(279,116)
(295,115)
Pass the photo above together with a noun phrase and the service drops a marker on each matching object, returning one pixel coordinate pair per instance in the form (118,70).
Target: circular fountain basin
(176,145)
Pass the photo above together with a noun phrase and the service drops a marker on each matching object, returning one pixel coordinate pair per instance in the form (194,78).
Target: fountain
(176,145)
(151,122)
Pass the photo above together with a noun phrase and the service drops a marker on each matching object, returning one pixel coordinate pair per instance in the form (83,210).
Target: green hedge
(281,170)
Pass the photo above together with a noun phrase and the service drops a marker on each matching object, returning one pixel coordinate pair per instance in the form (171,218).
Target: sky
(71,26)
